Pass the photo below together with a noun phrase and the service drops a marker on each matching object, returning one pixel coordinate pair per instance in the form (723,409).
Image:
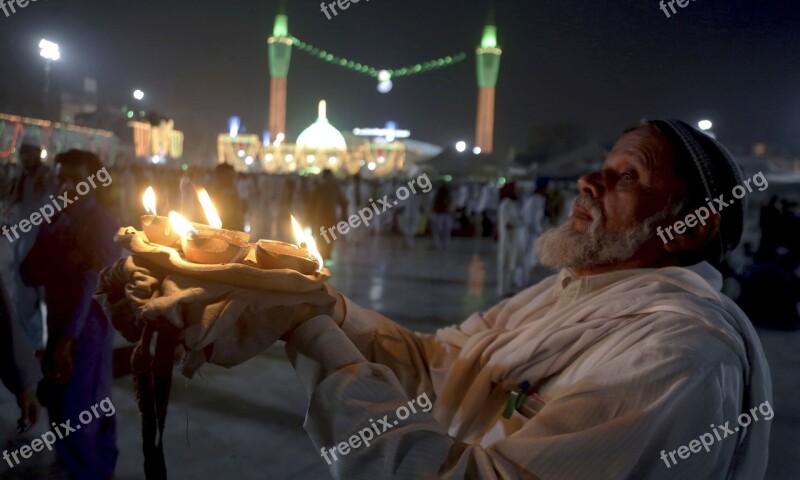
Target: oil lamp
(206,245)
(214,227)
(303,257)
(157,229)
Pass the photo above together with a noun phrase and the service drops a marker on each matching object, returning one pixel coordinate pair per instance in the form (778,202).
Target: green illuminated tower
(280,55)
(488,57)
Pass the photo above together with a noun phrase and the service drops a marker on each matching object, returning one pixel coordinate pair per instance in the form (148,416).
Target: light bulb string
(372,71)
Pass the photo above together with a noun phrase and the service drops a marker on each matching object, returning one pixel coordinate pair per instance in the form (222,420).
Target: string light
(377,72)
(47,124)
(18,130)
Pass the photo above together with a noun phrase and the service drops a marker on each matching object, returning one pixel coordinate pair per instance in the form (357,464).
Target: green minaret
(280,55)
(488,63)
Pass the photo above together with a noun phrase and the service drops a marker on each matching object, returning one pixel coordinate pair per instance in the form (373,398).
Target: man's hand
(306,312)
(62,361)
(29,410)
(226,324)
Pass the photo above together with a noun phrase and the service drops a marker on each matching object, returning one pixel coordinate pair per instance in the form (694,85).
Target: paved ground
(246,423)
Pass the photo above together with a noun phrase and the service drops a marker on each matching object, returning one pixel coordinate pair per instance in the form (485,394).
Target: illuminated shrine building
(319,146)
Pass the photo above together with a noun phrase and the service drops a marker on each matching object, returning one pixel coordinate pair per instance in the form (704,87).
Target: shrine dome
(321,135)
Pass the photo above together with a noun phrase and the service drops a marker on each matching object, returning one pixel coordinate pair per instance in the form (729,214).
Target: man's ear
(696,237)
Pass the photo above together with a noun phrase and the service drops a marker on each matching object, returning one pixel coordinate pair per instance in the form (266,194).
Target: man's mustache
(594,206)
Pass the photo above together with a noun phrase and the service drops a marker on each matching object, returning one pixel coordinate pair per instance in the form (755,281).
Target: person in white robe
(511,242)
(624,360)
(355,193)
(629,363)
(533,219)
(408,218)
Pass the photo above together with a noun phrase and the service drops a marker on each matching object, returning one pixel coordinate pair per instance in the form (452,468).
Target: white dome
(321,135)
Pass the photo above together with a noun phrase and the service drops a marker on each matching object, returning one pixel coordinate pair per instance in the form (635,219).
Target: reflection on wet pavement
(420,288)
(247,422)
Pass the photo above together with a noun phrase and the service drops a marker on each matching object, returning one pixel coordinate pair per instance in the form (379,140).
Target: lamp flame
(208,207)
(181,226)
(149,201)
(305,237)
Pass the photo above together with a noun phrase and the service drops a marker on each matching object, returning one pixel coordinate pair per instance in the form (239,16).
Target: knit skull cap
(715,169)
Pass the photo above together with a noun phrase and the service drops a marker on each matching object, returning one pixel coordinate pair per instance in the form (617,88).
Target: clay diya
(207,245)
(157,229)
(273,255)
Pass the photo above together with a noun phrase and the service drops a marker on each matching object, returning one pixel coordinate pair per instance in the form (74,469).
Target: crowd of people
(261,204)
(50,273)
(62,342)
(772,270)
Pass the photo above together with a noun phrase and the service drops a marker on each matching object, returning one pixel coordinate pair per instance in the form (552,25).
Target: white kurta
(627,364)
(511,238)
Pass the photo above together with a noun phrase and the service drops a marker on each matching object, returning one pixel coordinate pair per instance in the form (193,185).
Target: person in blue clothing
(66,259)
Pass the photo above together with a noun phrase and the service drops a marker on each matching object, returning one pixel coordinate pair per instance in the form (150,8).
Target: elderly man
(627,364)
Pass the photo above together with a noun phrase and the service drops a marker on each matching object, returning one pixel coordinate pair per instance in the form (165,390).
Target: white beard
(564,246)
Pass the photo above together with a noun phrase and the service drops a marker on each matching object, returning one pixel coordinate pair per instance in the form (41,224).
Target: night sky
(602,64)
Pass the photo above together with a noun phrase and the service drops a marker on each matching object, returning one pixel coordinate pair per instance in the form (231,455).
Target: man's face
(69,176)
(614,219)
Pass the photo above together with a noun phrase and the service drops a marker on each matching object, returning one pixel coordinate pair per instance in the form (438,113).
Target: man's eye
(628,175)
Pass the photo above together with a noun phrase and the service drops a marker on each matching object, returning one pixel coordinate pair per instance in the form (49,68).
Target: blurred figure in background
(224,193)
(286,192)
(408,218)
(66,259)
(774,273)
(246,188)
(554,193)
(441,216)
(32,189)
(381,223)
(356,189)
(487,204)
(771,223)
(511,233)
(33,183)
(327,206)
(535,222)
(19,370)
(262,207)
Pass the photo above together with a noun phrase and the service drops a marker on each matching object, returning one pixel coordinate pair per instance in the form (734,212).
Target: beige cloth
(223,324)
(627,364)
(246,274)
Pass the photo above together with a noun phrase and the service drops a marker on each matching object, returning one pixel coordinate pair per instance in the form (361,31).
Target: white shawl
(529,338)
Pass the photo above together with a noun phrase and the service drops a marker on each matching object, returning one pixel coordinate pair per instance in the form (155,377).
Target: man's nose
(591,184)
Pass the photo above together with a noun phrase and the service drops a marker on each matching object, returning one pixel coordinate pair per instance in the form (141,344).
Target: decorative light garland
(18,131)
(48,124)
(375,72)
